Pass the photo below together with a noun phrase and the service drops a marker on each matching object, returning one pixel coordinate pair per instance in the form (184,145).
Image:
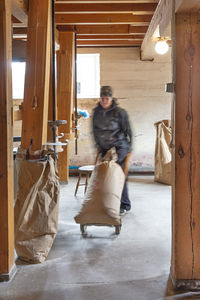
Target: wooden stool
(87,171)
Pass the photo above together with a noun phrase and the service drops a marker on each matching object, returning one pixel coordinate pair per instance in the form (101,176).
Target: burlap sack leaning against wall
(163,155)
(36,209)
(102,200)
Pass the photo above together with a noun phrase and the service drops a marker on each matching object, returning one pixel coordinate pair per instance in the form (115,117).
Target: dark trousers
(125,201)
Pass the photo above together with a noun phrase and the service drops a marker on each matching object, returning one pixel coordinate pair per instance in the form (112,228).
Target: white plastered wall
(140,89)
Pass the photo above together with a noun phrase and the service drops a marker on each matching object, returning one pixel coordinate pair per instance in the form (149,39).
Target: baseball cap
(106,90)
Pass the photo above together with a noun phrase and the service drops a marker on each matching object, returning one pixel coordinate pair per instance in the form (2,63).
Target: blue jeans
(122,153)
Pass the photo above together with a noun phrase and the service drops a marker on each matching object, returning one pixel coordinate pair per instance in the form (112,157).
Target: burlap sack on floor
(102,200)
(36,209)
(163,156)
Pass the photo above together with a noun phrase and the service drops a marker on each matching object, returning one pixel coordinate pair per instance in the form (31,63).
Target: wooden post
(65,73)
(186,187)
(7,267)
(36,92)
(50,108)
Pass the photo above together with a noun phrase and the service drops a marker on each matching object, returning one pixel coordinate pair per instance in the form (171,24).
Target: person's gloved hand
(127,163)
(99,150)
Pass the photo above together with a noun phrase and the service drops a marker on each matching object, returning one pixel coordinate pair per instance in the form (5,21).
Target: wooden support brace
(7,266)
(19,11)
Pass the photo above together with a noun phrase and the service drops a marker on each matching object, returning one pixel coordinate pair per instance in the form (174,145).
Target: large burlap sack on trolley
(163,156)
(102,201)
(36,209)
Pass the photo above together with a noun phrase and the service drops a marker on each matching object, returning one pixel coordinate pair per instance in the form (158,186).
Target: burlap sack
(102,201)
(36,209)
(163,156)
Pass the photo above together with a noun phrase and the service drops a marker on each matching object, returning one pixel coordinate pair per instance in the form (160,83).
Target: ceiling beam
(108,43)
(145,8)
(102,19)
(106,1)
(109,37)
(20,30)
(19,25)
(18,33)
(104,29)
(138,29)
(161,18)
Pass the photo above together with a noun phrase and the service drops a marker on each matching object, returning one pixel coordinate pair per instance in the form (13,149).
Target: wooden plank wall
(139,87)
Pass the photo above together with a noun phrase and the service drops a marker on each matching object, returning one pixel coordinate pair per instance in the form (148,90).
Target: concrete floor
(102,266)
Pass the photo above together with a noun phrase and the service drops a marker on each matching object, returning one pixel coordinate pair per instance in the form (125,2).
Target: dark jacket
(111,127)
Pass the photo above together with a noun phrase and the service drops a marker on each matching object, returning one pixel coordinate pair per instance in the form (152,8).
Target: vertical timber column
(185,269)
(51,104)
(50,107)
(36,91)
(65,65)
(7,266)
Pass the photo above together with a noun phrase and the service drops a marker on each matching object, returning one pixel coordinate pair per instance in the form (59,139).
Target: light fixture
(161,46)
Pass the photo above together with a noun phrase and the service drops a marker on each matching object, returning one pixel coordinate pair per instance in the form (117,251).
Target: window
(88,75)
(18,76)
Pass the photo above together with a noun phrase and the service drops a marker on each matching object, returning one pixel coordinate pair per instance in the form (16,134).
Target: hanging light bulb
(161,46)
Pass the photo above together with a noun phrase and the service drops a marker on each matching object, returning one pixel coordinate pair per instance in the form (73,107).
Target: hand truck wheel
(117,229)
(83,228)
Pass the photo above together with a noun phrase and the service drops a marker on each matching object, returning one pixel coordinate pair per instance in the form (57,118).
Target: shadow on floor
(143,180)
(20,262)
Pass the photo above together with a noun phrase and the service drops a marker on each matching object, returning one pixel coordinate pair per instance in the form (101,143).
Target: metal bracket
(57,143)
(55,124)
(170,87)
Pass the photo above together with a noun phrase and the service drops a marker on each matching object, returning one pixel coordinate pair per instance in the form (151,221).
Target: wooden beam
(51,104)
(20,30)
(188,6)
(138,29)
(65,78)
(105,7)
(20,10)
(6,149)
(104,29)
(108,43)
(102,19)
(19,25)
(109,37)
(99,30)
(52,111)
(36,92)
(105,1)
(161,18)
(20,33)
(186,189)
